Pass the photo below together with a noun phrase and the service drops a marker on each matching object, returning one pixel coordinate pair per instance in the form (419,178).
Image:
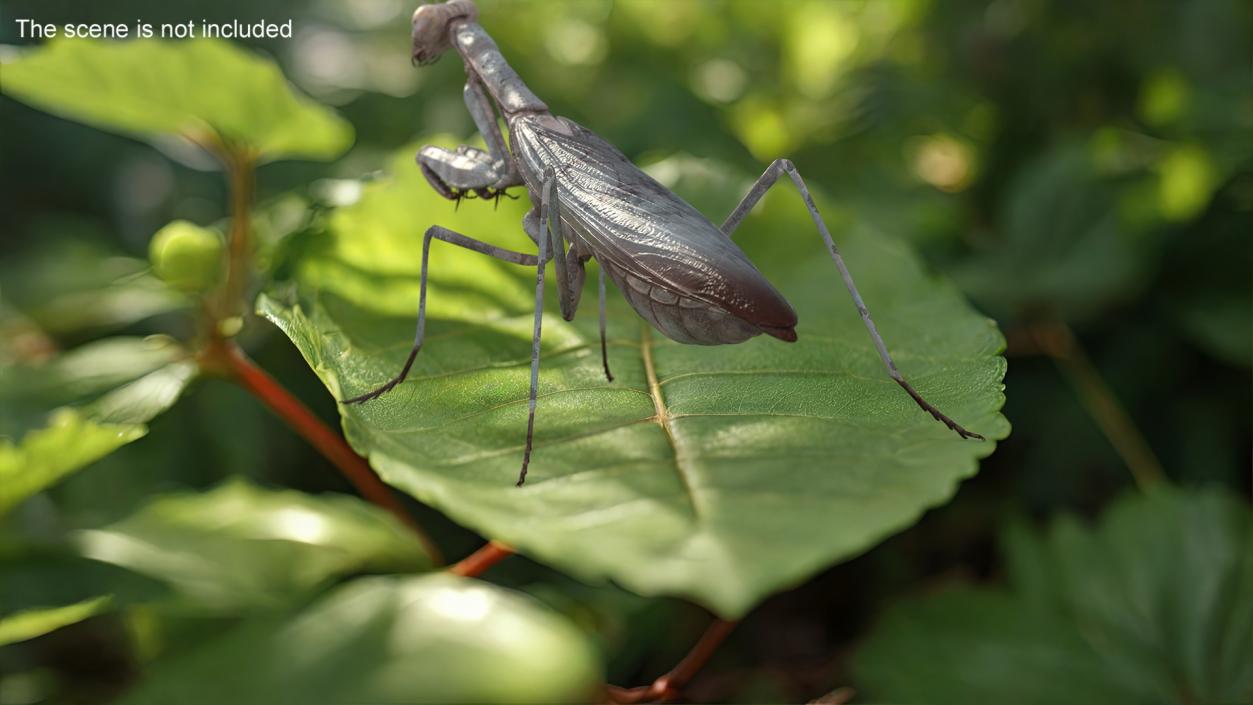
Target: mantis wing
(638,228)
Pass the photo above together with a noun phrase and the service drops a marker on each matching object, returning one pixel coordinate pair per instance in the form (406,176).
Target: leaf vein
(665,420)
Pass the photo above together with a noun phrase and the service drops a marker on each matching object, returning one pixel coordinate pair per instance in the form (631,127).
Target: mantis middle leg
(570,274)
(549,235)
(763,184)
(436,232)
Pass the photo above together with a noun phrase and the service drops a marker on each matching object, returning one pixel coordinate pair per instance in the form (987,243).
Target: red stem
(242,176)
(327,442)
(667,687)
(478,562)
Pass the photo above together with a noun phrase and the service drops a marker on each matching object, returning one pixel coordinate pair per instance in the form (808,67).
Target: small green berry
(186,256)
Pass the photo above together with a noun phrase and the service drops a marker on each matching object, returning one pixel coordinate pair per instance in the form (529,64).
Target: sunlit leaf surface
(204,90)
(57,416)
(721,474)
(433,639)
(1152,605)
(241,546)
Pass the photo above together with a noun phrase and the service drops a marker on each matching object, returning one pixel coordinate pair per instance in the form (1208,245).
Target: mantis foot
(457,195)
(937,414)
(375,394)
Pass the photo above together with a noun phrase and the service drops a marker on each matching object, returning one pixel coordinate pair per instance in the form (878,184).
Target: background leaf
(196,89)
(32,623)
(47,587)
(776,460)
(72,285)
(433,639)
(1153,605)
(45,455)
(103,394)
(1062,245)
(240,546)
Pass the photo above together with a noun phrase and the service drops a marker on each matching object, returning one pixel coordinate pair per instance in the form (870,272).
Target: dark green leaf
(1061,243)
(101,396)
(71,285)
(47,587)
(432,639)
(1153,605)
(1207,292)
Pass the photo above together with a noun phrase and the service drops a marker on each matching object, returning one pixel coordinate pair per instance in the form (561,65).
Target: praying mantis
(681,273)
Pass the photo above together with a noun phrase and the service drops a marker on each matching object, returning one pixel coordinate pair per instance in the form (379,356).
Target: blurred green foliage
(1153,605)
(430,639)
(1078,165)
(238,547)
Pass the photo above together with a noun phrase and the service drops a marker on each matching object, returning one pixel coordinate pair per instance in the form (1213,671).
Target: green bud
(187,256)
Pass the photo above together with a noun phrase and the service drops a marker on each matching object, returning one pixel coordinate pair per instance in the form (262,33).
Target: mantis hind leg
(763,184)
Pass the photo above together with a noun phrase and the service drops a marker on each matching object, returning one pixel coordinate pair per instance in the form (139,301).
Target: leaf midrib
(666,421)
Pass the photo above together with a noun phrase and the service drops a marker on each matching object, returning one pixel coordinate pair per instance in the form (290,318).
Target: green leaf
(1152,605)
(774,460)
(204,90)
(40,576)
(102,395)
(430,639)
(241,546)
(69,286)
(1219,321)
(1208,295)
(1061,243)
(32,623)
(44,456)
(45,587)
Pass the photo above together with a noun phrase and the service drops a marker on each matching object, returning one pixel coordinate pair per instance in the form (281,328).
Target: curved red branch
(476,563)
(666,687)
(225,354)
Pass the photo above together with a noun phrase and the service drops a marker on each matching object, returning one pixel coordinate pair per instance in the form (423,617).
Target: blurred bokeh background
(1082,171)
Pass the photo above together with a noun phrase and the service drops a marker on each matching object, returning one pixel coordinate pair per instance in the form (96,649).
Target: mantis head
(430,28)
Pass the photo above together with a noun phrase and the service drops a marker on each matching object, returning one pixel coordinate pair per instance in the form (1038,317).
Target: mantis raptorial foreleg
(768,179)
(468,171)
(484,117)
